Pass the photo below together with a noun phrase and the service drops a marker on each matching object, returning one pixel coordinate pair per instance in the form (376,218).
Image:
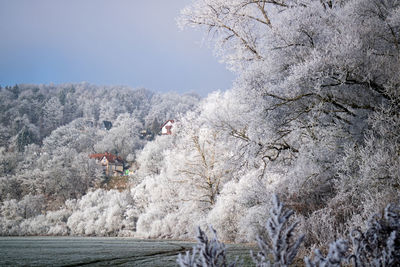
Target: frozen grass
(96,251)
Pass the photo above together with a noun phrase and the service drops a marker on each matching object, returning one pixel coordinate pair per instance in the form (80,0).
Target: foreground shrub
(280,232)
(378,245)
(206,252)
(280,246)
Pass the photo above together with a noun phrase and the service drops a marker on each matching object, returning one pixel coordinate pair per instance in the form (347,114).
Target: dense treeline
(29,113)
(313,116)
(48,133)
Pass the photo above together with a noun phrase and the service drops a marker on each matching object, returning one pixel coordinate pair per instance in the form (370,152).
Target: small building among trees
(107,125)
(112,164)
(167,127)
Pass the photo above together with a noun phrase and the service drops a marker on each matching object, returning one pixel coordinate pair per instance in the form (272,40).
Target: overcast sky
(105,42)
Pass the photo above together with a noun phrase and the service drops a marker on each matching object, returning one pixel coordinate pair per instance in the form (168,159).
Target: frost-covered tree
(307,61)
(313,76)
(151,159)
(14,212)
(64,174)
(103,213)
(313,115)
(52,116)
(123,138)
(193,173)
(199,162)
(8,161)
(100,212)
(75,135)
(168,107)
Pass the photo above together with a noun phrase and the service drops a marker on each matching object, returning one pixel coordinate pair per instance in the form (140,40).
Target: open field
(96,251)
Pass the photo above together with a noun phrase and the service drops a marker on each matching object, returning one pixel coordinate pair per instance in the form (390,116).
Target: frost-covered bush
(207,252)
(123,138)
(100,213)
(379,244)
(279,250)
(151,158)
(367,179)
(281,247)
(103,213)
(10,188)
(239,214)
(57,220)
(336,256)
(14,212)
(163,213)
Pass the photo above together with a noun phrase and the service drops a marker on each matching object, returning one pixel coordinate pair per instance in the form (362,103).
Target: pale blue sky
(105,42)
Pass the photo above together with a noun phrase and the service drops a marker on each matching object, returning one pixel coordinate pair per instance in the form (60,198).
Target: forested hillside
(313,116)
(49,131)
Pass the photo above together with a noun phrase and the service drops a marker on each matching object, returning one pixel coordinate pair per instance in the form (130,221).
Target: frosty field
(96,251)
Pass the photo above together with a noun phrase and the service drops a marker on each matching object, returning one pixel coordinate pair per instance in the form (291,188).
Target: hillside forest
(313,116)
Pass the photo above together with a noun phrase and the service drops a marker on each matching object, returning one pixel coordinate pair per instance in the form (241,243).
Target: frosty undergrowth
(378,245)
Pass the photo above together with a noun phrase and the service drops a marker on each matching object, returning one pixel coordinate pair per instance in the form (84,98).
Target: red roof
(110,157)
(172,121)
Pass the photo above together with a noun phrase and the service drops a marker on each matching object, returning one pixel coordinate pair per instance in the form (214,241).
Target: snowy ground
(76,251)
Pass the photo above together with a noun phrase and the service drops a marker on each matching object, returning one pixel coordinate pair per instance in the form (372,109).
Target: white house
(167,126)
